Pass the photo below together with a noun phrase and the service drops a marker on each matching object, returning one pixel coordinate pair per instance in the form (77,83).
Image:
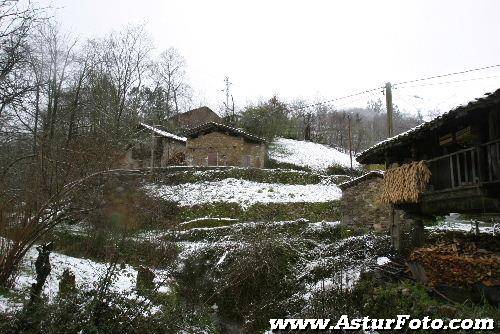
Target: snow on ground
(454,222)
(346,281)
(244,192)
(307,154)
(322,225)
(8,305)
(222,219)
(382,260)
(87,273)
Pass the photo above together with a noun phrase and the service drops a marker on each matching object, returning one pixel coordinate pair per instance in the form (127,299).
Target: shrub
(342,170)
(99,310)
(250,286)
(382,299)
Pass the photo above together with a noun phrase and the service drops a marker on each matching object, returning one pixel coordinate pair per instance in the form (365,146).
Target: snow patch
(308,154)
(223,257)
(322,225)
(382,260)
(163,133)
(244,192)
(87,274)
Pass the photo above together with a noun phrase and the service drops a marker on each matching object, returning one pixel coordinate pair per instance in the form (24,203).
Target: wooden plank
(466,170)
(451,172)
(490,165)
(473,161)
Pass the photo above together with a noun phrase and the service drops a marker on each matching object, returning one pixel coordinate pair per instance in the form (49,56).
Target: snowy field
(244,192)
(307,154)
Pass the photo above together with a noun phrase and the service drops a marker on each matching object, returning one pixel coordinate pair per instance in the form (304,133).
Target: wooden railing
(468,167)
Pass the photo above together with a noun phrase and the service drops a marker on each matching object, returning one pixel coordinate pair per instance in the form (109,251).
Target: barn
(449,164)
(215,144)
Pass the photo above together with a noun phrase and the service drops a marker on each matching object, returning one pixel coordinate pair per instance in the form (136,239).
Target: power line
(337,99)
(402,83)
(448,74)
(450,82)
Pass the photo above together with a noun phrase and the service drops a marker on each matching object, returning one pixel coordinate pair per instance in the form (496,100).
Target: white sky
(316,50)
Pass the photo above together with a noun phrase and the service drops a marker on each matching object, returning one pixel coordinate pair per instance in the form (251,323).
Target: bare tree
(169,75)
(126,58)
(17,18)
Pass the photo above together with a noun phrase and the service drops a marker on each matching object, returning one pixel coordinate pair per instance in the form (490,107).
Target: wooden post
(350,139)
(418,232)
(152,151)
(388,101)
(395,221)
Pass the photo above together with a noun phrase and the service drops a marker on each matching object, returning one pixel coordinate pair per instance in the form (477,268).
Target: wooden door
(212,159)
(246,161)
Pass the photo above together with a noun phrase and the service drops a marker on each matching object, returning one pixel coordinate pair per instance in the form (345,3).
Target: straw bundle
(405,184)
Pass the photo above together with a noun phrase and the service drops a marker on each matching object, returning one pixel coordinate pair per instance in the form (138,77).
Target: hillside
(226,249)
(316,157)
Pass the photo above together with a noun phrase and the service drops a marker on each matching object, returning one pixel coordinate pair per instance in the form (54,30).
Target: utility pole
(229,111)
(350,139)
(226,81)
(388,101)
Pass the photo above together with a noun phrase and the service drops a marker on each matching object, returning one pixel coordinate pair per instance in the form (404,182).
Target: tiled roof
(213,126)
(424,129)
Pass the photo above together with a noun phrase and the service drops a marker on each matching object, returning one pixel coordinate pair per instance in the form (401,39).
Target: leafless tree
(169,75)
(126,58)
(17,19)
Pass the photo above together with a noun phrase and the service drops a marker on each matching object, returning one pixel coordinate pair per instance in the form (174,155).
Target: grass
(261,212)
(209,222)
(383,299)
(105,246)
(282,175)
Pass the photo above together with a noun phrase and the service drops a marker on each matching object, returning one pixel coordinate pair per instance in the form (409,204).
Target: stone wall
(360,208)
(139,155)
(224,150)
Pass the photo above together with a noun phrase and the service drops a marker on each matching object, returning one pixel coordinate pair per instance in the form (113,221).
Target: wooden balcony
(473,166)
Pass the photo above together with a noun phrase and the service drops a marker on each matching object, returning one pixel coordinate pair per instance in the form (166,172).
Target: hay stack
(405,184)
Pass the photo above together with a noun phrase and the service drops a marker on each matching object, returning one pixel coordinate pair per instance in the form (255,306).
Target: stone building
(168,149)
(359,204)
(194,118)
(214,144)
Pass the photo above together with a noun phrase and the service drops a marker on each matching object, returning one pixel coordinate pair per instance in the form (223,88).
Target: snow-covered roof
(164,133)
(371,155)
(213,126)
(369,175)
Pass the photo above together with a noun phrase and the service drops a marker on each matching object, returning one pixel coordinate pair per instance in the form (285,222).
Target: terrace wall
(360,206)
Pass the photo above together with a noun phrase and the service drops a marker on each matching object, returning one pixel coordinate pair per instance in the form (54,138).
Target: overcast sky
(316,50)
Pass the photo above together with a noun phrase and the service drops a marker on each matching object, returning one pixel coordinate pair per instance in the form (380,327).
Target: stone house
(168,149)
(214,144)
(194,118)
(359,203)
